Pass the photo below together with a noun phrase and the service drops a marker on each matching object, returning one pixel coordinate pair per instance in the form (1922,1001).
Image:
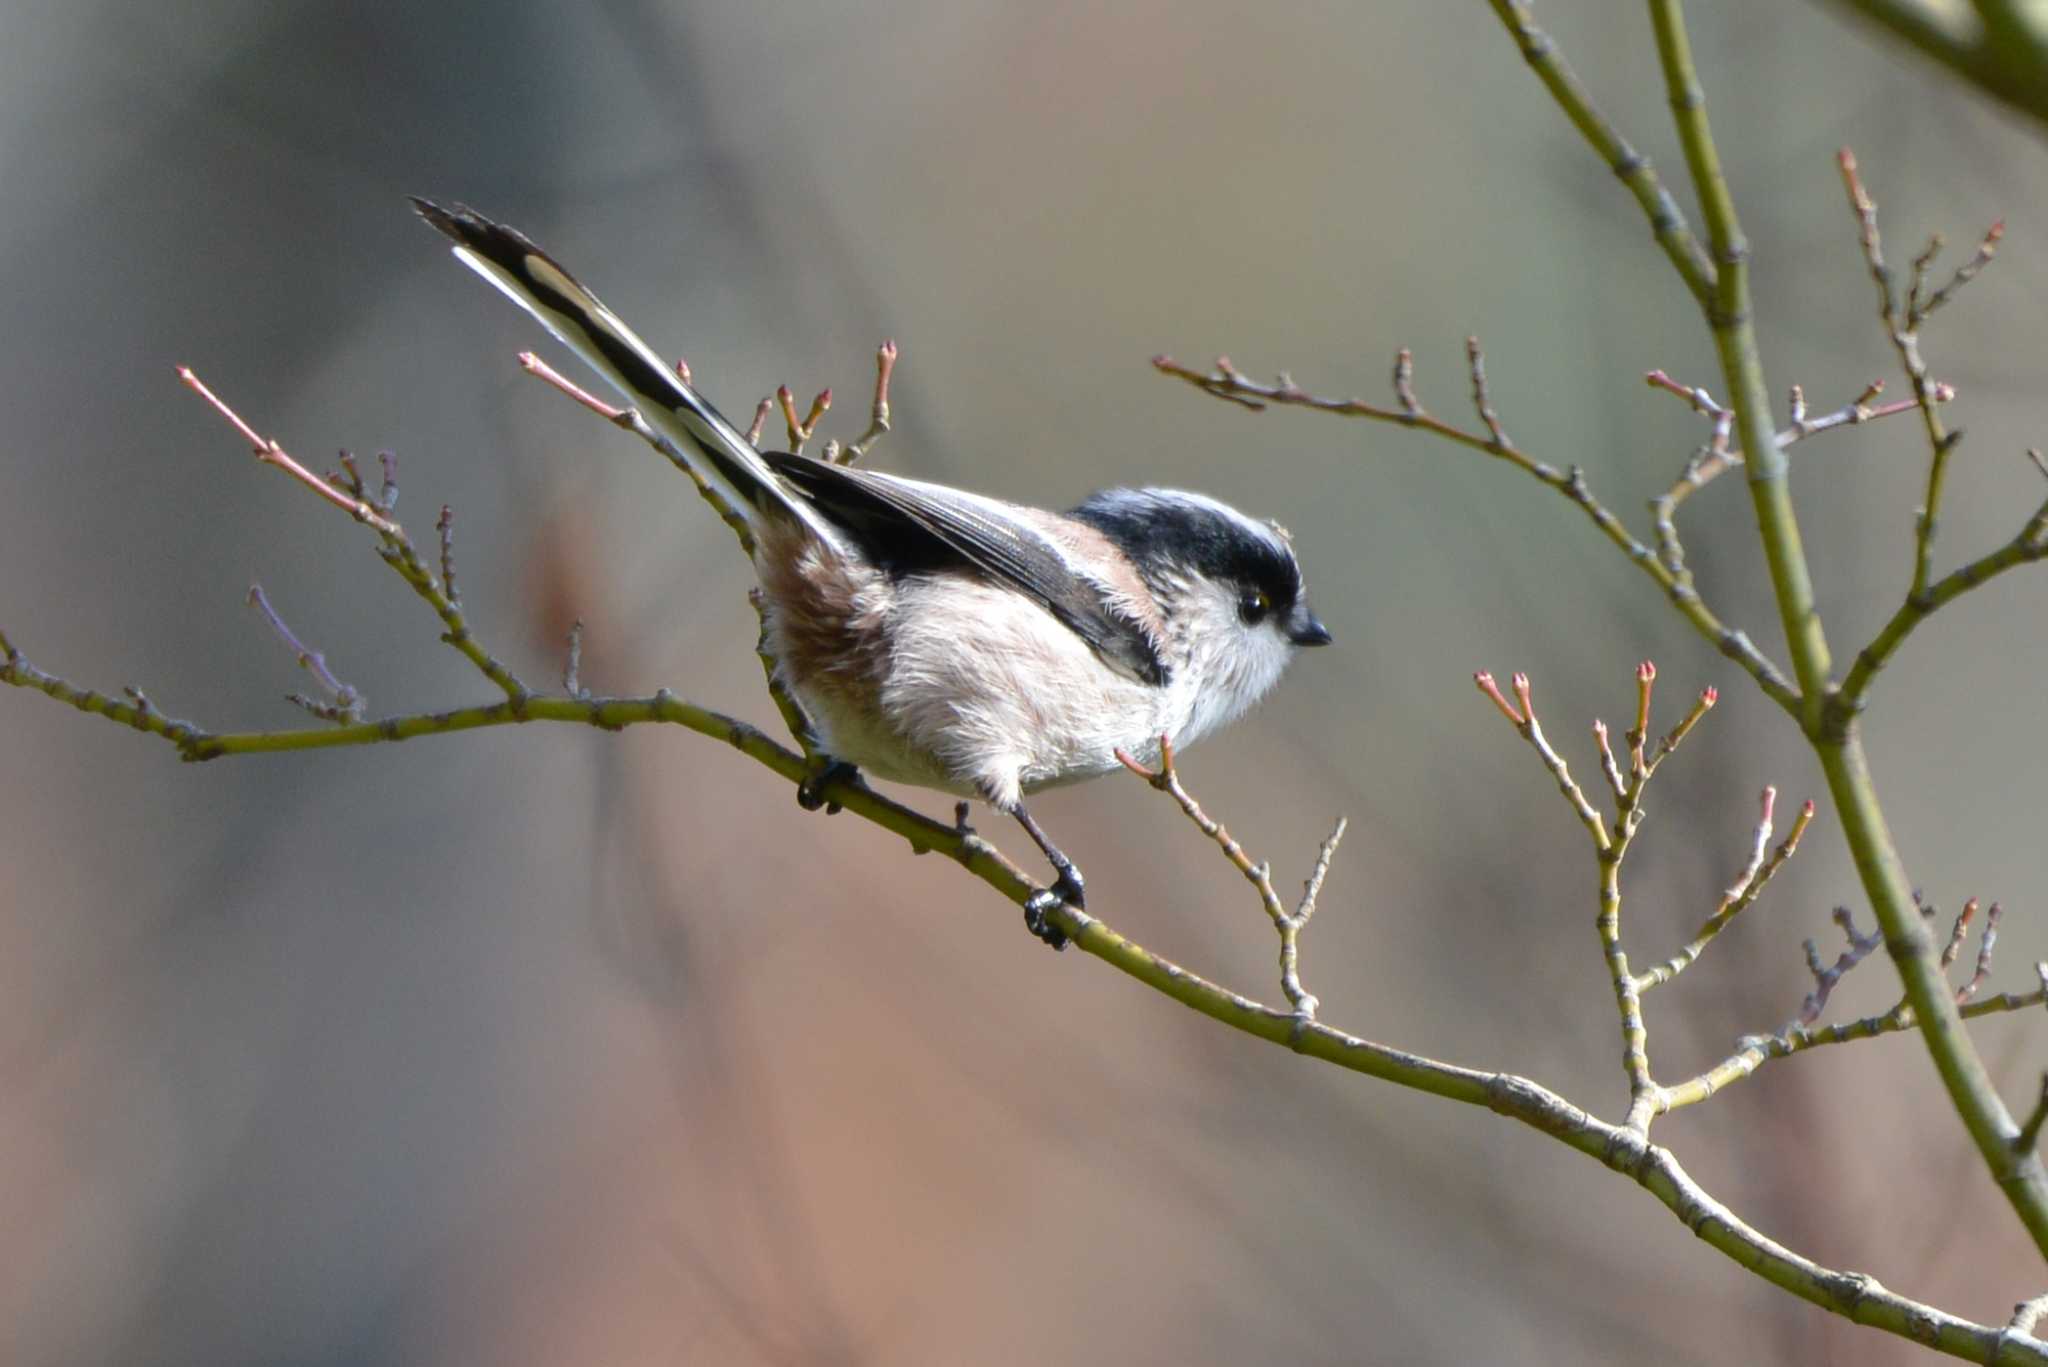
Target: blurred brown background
(543,1046)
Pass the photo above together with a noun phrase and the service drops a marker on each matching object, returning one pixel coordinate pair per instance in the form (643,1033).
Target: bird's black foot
(810,794)
(1066,887)
(1037,917)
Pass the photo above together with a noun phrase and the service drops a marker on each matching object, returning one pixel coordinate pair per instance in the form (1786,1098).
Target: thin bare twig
(800,431)
(1987,945)
(270,453)
(394,547)
(1226,382)
(1748,886)
(1825,976)
(878,415)
(1166,778)
(1524,721)
(1903,328)
(345,704)
(2028,545)
(629,420)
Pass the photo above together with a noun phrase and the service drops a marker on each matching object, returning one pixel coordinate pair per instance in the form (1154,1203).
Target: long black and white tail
(581,322)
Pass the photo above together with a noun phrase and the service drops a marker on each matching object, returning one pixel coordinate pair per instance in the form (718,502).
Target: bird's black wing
(909,526)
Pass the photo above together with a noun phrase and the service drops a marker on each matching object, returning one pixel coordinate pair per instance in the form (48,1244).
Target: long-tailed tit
(947,639)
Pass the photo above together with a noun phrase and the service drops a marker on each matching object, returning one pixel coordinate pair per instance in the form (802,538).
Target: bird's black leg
(810,793)
(1067,886)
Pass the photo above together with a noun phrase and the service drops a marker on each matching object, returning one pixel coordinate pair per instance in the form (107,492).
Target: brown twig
(761,412)
(1224,381)
(394,547)
(1717,457)
(629,420)
(1524,720)
(1166,778)
(1987,945)
(878,415)
(1903,328)
(270,453)
(1957,933)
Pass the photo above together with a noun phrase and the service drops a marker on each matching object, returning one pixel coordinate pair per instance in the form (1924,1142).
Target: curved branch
(1850,1294)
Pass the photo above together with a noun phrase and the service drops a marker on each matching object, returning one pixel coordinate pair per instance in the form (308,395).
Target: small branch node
(1404,383)
(572,666)
(1482,400)
(445,525)
(1608,768)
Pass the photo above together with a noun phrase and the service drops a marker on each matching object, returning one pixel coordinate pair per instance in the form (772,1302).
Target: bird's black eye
(1253,605)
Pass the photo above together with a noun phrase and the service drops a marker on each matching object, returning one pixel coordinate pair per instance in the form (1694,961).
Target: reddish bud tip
(1846,159)
(1483,679)
(1997,230)
(1646,671)
(1807,809)
(1710,695)
(782,392)
(1521,682)
(1770,803)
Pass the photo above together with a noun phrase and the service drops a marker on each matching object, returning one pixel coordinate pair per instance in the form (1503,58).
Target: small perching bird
(947,639)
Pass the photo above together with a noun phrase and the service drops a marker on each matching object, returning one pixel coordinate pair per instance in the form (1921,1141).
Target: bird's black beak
(1307,631)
